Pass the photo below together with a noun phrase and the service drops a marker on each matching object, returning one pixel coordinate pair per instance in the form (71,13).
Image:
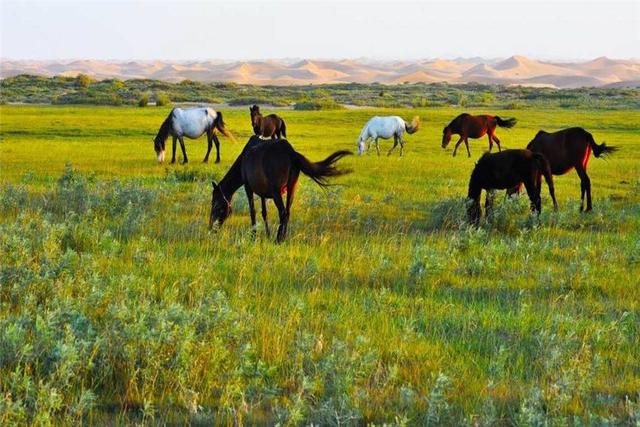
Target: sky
(245,30)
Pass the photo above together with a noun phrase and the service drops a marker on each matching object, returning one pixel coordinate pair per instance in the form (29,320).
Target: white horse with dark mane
(385,128)
(192,123)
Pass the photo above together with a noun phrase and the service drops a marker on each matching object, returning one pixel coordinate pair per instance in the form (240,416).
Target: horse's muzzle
(161,156)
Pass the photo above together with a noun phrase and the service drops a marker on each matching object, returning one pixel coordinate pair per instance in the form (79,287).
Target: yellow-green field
(383,305)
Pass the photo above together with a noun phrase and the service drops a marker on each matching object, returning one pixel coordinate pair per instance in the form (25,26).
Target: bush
(322,104)
(83,81)
(144,100)
(162,99)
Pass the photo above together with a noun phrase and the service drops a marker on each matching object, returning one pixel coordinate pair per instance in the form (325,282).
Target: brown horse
(269,169)
(468,126)
(271,126)
(504,170)
(568,149)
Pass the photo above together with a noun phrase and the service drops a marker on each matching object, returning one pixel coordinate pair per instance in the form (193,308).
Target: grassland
(383,306)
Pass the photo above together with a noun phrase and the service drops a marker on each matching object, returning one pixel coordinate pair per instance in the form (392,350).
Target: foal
(271,126)
(504,170)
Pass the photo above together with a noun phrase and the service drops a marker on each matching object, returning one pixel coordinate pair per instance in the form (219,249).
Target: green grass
(118,305)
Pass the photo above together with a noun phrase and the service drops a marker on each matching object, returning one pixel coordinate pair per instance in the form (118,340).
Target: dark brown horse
(504,170)
(269,169)
(468,126)
(568,149)
(271,126)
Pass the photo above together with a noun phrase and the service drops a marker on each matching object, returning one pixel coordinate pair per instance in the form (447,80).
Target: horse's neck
(232,181)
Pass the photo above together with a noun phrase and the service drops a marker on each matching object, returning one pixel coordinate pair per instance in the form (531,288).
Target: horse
(191,123)
(271,126)
(269,169)
(468,126)
(505,169)
(569,149)
(386,127)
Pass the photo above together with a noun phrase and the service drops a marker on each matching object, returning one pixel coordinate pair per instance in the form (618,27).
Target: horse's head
(255,114)
(158,146)
(361,146)
(220,206)
(446,136)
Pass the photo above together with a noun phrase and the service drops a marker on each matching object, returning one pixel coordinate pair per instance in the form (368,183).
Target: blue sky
(178,30)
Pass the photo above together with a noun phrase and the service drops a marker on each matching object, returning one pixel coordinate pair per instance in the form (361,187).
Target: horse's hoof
(217,160)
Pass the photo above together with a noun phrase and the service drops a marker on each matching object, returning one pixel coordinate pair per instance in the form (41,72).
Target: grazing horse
(386,127)
(568,149)
(269,169)
(191,123)
(468,126)
(504,170)
(271,126)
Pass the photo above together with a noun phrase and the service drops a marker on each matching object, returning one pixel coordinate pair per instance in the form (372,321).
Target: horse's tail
(414,126)
(218,123)
(320,171)
(602,149)
(545,170)
(506,123)
(283,128)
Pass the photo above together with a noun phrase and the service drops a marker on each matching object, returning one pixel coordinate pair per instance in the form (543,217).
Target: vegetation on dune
(82,90)
(118,306)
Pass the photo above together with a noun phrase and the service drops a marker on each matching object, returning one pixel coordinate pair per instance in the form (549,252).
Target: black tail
(283,128)
(218,122)
(506,123)
(545,170)
(602,149)
(320,171)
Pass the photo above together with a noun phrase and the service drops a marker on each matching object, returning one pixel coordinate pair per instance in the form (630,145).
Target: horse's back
(193,122)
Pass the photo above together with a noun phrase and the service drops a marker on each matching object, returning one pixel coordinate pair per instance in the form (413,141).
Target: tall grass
(117,305)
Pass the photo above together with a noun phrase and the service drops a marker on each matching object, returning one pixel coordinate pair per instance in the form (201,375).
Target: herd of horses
(269,166)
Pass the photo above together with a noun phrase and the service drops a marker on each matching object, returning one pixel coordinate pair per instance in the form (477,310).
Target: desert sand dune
(514,70)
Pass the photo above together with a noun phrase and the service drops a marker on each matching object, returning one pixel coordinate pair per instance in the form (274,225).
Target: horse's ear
(213,184)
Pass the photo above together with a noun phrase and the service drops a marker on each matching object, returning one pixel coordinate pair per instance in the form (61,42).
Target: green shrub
(83,81)
(322,104)
(143,101)
(162,99)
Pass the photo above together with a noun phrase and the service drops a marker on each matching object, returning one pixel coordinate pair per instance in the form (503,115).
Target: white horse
(385,127)
(192,123)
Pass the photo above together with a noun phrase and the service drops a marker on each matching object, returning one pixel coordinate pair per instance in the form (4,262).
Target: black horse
(504,170)
(269,169)
(569,149)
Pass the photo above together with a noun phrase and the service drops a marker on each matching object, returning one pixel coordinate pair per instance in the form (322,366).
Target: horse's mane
(165,128)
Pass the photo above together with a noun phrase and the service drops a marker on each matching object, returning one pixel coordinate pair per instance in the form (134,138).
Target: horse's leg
(291,189)
(184,152)
(264,215)
(252,209)
(217,142)
(488,203)
(173,149)
(455,149)
(585,187)
(497,141)
(395,143)
(466,143)
(209,144)
(473,211)
(530,185)
(282,212)
(401,145)
(490,142)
